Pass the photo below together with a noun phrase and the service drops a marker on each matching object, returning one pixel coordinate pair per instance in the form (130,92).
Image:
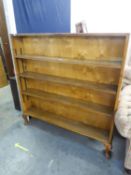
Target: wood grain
(3,78)
(72,88)
(80,128)
(70,47)
(91,73)
(72,109)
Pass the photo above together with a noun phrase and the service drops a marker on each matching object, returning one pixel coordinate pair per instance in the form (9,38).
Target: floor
(44,149)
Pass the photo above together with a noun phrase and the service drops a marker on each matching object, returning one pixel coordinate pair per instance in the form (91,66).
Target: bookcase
(71,80)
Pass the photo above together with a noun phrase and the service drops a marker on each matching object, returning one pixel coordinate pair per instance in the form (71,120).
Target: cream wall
(9,13)
(102,15)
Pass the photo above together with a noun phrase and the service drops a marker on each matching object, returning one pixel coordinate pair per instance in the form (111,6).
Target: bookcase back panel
(73,112)
(74,46)
(86,93)
(93,73)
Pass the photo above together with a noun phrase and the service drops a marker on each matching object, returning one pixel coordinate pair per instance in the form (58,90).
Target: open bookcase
(70,80)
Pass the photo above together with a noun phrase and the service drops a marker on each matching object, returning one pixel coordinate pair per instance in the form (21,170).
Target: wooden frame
(71,80)
(5,41)
(3,78)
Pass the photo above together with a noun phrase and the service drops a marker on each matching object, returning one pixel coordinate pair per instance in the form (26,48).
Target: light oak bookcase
(71,80)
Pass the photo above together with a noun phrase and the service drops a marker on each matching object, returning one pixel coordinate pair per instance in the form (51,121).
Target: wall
(102,15)
(10,19)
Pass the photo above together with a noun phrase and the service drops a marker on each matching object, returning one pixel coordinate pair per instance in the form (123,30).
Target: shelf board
(112,63)
(92,132)
(93,107)
(111,89)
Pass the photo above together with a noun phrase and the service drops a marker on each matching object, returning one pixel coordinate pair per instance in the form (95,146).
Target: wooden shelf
(111,89)
(92,132)
(112,63)
(96,108)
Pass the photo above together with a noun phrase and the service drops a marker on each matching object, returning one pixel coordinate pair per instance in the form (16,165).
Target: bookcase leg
(26,119)
(108,151)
